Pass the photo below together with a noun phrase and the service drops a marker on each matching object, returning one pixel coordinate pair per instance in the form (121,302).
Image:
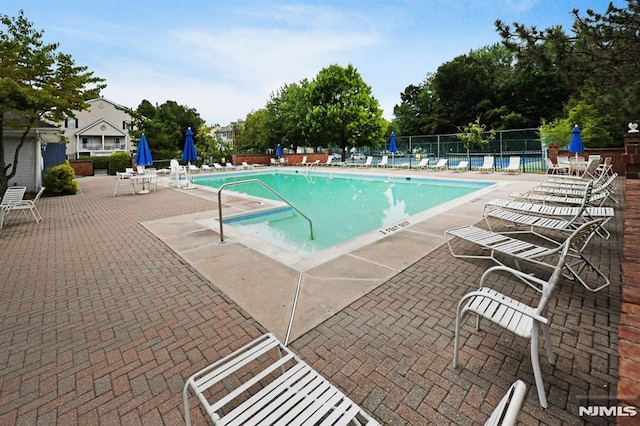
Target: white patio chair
(303,162)
(507,410)
(13,195)
(555,169)
(519,250)
(513,315)
(217,167)
(121,177)
(513,166)
(271,385)
(205,168)
(30,205)
(487,165)
(462,166)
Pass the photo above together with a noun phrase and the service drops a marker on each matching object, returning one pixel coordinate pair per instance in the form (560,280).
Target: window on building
(71,123)
(126,125)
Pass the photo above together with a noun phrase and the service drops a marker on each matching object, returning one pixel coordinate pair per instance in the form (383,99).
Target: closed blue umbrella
(189,151)
(576,141)
(278,151)
(143,155)
(393,148)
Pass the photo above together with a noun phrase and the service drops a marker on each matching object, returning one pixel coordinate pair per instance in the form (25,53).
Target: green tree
(473,135)
(342,110)
(252,135)
(36,83)
(599,61)
(165,126)
(287,116)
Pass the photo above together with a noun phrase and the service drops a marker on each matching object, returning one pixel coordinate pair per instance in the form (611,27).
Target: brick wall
(82,167)
(629,331)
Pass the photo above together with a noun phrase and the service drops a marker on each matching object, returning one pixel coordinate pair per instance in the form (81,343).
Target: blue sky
(225,58)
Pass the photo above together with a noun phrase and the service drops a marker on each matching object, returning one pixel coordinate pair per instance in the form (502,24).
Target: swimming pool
(342,206)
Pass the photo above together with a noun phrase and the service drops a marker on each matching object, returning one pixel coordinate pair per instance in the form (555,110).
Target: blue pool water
(341,206)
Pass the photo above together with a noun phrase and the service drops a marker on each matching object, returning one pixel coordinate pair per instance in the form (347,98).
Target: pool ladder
(268,188)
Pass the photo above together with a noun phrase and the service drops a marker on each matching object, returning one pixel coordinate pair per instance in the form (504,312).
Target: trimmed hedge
(118,161)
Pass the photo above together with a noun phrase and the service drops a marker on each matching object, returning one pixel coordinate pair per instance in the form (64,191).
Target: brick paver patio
(102,323)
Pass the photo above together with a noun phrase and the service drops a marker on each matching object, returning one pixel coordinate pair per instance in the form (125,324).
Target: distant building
(100,130)
(226,133)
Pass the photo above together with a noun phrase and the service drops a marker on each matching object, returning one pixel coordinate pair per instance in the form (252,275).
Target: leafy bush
(61,180)
(99,163)
(118,161)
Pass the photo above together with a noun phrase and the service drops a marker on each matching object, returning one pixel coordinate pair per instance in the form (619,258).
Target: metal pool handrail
(268,189)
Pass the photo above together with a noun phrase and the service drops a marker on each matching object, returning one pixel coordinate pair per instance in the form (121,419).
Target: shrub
(118,161)
(99,163)
(61,180)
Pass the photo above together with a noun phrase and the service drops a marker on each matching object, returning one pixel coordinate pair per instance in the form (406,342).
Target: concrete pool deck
(317,288)
(101,322)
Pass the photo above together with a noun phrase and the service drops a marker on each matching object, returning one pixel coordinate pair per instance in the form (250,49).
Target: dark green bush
(61,180)
(118,161)
(99,163)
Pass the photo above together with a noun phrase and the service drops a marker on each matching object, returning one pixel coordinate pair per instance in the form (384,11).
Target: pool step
(262,215)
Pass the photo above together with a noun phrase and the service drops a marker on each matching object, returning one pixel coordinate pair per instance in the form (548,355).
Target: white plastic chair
(440,165)
(121,177)
(30,205)
(12,195)
(517,317)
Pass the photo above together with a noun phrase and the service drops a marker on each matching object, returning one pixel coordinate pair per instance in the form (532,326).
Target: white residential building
(100,130)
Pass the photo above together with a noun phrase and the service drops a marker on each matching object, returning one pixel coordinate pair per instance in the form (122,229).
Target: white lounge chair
(384,161)
(229,166)
(303,162)
(30,205)
(487,165)
(13,195)
(520,250)
(217,167)
(561,200)
(193,168)
(421,165)
(462,166)
(328,162)
(507,410)
(518,317)
(367,163)
(247,166)
(271,385)
(556,218)
(513,166)
(577,190)
(205,168)
(440,165)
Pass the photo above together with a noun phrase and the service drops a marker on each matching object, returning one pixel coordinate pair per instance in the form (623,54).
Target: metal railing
(265,186)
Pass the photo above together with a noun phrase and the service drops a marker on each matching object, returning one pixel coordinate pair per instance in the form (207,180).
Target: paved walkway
(102,323)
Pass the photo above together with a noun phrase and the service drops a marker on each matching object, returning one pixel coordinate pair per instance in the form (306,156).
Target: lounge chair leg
(547,338)
(535,364)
